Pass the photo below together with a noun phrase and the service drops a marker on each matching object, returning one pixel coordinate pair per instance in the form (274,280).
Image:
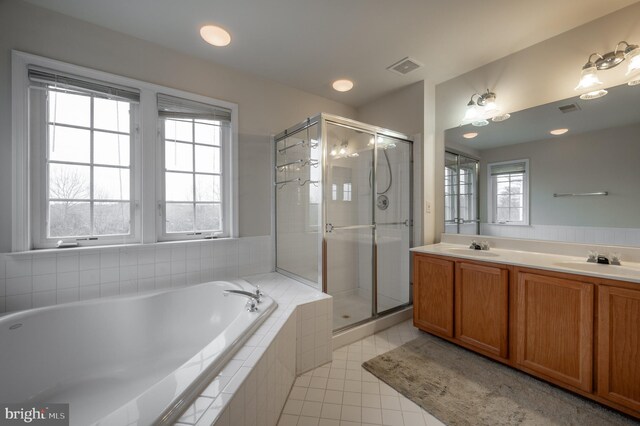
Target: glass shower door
(393,222)
(349,230)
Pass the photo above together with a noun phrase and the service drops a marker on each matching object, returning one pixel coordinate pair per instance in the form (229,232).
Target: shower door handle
(405,223)
(330,228)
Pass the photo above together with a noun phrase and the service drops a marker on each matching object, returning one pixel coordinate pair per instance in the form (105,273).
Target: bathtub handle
(252,303)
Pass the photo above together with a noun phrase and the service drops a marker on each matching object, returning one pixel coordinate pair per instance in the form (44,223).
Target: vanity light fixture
(481,108)
(470,135)
(342,85)
(589,84)
(558,132)
(215,35)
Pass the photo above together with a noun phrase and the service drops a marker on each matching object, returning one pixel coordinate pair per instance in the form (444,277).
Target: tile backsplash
(570,234)
(36,279)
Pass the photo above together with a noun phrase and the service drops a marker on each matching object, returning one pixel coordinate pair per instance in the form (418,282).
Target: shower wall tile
(44,278)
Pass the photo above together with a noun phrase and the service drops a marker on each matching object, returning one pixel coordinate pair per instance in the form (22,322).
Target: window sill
(89,249)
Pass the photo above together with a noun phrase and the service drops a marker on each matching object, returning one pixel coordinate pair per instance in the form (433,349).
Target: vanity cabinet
(619,345)
(482,307)
(576,331)
(433,295)
(554,328)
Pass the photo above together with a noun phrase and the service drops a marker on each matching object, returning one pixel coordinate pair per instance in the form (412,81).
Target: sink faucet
(613,259)
(254,298)
(482,246)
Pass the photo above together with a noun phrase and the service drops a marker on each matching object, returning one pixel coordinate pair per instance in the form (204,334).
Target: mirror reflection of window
(346,191)
(508,196)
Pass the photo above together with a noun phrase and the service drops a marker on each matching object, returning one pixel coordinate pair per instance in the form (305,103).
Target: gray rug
(462,388)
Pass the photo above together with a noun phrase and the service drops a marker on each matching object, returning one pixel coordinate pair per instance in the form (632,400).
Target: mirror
(581,186)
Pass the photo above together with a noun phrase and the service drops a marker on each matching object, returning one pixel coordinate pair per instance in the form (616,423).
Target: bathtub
(127,360)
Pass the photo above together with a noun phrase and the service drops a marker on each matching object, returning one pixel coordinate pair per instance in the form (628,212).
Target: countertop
(628,271)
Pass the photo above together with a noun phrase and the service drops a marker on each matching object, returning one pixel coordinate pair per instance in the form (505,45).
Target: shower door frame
(323,119)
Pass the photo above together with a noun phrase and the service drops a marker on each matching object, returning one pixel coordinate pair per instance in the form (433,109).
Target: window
(346,191)
(509,192)
(78,138)
(83,135)
(450,197)
(193,138)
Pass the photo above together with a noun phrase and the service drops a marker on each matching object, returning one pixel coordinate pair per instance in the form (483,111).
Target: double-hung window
(509,192)
(194,139)
(83,134)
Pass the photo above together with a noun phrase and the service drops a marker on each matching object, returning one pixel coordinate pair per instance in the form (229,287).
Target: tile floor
(342,393)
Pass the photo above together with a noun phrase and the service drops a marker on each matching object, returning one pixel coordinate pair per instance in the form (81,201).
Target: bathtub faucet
(252,303)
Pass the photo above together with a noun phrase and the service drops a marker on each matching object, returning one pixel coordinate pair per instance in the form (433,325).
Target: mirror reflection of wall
(538,185)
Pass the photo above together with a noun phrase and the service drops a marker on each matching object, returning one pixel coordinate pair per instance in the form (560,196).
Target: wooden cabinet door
(433,295)
(555,329)
(482,307)
(619,345)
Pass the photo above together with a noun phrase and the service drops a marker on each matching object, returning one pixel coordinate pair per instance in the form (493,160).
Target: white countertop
(628,271)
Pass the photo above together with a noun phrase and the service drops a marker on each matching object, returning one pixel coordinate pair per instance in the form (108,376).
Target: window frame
(492,199)
(40,196)
(225,165)
(144,194)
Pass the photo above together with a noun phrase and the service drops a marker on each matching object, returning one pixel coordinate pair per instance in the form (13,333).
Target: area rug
(462,388)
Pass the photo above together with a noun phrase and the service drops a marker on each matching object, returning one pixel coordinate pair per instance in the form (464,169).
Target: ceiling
(620,107)
(308,44)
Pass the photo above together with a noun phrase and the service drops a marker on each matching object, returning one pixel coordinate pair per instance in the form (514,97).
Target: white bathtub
(133,360)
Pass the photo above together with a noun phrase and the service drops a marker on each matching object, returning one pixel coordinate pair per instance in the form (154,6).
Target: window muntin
(509,192)
(87,184)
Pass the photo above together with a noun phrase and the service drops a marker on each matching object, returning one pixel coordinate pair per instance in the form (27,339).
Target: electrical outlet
(428,207)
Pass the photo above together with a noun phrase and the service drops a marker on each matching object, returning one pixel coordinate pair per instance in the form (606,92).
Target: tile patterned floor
(342,393)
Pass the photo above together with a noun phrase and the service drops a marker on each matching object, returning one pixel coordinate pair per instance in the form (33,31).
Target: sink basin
(599,268)
(471,252)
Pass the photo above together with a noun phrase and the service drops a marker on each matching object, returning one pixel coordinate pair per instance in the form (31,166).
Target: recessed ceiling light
(343,85)
(215,35)
(558,132)
(470,135)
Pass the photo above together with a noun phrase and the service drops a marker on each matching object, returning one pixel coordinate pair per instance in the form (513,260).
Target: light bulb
(471,112)
(594,94)
(633,69)
(343,151)
(589,78)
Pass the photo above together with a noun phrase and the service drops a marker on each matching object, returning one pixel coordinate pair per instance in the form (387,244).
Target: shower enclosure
(343,214)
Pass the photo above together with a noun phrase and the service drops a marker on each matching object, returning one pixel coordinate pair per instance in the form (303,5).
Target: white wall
(401,110)
(545,72)
(265,107)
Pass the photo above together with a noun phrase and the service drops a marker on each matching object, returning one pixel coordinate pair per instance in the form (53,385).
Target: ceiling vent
(569,108)
(404,66)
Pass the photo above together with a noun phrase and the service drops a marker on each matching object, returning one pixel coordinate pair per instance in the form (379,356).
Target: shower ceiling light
(589,82)
(342,85)
(558,132)
(482,108)
(470,135)
(215,35)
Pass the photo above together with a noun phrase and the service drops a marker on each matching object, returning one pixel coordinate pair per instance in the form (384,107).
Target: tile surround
(44,278)
(252,388)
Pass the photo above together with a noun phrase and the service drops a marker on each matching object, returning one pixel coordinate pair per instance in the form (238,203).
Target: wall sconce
(482,108)
(589,81)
